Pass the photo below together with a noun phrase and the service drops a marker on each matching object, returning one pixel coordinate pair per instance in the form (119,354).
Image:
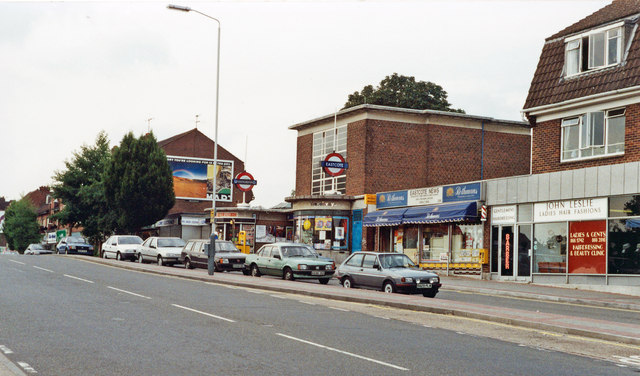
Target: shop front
(591,241)
(446,235)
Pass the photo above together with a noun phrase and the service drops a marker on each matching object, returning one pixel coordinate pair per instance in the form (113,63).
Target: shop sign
(391,199)
(462,192)
(570,210)
(369,199)
(503,215)
(588,247)
(51,238)
(167,222)
(424,196)
(323,223)
(226,214)
(193,221)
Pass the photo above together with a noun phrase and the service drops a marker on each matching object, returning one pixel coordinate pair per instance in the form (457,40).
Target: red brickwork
(303,165)
(547,145)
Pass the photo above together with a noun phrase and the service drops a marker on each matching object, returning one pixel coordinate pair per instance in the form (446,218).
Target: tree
(139,183)
(20,225)
(81,188)
(404,92)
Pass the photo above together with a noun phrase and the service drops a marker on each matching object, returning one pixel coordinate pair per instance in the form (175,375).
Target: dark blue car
(74,245)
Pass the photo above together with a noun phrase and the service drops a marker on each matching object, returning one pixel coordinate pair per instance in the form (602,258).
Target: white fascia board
(577,106)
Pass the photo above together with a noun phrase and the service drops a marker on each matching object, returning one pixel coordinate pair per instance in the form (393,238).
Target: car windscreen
(77,240)
(36,246)
(130,240)
(396,261)
(294,251)
(226,247)
(171,243)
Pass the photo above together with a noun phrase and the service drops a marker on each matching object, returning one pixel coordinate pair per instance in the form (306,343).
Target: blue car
(74,245)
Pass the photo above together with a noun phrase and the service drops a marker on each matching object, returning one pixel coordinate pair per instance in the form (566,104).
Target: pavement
(564,324)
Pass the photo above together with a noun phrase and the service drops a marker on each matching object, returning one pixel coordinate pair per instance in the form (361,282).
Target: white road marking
(343,352)
(46,270)
(5,349)
(18,262)
(303,302)
(633,360)
(340,309)
(381,317)
(78,278)
(279,296)
(27,367)
(204,313)
(128,292)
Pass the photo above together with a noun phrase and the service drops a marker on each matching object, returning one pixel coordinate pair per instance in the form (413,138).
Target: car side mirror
(277,257)
(377,266)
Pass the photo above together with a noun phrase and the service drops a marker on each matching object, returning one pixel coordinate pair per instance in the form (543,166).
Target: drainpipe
(482,155)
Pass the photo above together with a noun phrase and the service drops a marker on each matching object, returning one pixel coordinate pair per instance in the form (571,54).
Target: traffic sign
(334,164)
(244,181)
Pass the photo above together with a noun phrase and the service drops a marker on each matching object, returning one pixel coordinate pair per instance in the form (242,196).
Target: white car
(122,247)
(164,251)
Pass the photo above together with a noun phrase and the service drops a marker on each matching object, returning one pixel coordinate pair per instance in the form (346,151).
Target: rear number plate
(238,266)
(424,285)
(314,272)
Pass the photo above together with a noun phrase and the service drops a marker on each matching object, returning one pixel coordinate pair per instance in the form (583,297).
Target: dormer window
(596,49)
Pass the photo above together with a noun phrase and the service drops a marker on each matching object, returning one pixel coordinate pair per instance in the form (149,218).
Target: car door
(145,249)
(353,267)
(370,273)
(264,260)
(200,255)
(277,261)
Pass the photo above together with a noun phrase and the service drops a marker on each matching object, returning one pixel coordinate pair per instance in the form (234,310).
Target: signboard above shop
(430,195)
(571,210)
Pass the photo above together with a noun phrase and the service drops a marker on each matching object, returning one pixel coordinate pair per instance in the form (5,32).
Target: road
(63,316)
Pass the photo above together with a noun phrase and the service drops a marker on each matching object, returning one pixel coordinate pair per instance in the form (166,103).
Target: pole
(212,248)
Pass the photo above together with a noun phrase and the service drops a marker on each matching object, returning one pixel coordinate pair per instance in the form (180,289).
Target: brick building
(391,149)
(190,155)
(576,219)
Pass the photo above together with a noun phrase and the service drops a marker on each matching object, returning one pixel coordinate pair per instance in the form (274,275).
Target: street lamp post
(212,247)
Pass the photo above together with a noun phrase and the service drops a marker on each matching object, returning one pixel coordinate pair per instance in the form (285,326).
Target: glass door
(507,251)
(524,251)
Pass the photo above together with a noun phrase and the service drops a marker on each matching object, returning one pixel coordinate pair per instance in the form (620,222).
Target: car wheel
(323,281)
(118,257)
(140,260)
(255,272)
(104,254)
(347,282)
(287,275)
(430,293)
(388,287)
(246,272)
(187,264)
(160,261)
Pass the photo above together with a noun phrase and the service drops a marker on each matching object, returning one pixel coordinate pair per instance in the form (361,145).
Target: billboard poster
(193,178)
(588,247)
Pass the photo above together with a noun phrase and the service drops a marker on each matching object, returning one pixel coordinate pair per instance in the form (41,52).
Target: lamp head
(178,7)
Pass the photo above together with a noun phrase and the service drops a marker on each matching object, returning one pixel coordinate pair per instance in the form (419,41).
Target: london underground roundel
(334,164)
(244,181)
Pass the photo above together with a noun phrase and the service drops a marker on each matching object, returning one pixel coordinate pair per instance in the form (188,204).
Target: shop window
(550,248)
(465,242)
(624,246)
(323,232)
(435,240)
(410,240)
(624,206)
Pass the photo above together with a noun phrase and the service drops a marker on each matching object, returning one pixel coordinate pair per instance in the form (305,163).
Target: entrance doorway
(511,252)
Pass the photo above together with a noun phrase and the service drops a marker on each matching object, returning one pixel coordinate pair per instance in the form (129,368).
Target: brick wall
(304,157)
(547,145)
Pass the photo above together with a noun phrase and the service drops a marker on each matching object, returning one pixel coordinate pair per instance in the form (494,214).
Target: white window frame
(583,150)
(322,145)
(590,35)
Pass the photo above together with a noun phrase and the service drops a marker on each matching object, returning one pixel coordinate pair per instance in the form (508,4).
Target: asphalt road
(61,316)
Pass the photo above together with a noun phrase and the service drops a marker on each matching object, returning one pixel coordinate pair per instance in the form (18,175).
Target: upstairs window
(325,142)
(593,50)
(592,135)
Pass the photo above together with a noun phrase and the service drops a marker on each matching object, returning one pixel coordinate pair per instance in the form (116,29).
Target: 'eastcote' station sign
(570,210)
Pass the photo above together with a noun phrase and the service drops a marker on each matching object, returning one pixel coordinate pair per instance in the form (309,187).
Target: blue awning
(390,217)
(458,212)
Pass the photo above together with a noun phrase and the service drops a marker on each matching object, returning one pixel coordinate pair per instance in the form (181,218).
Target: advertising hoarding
(193,178)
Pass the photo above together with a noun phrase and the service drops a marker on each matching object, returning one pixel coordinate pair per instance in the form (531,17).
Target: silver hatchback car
(389,272)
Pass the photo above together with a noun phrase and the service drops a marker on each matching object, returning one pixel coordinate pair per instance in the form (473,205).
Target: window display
(466,240)
(624,246)
(435,240)
(550,248)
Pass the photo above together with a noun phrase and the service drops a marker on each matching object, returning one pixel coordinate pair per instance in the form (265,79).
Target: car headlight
(224,261)
(303,267)
(331,267)
(434,279)
(406,279)
(72,247)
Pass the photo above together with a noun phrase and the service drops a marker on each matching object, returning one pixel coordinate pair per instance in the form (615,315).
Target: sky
(69,70)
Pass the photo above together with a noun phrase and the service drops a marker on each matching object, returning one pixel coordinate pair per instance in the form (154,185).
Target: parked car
(389,272)
(74,244)
(227,258)
(289,261)
(36,249)
(122,247)
(317,255)
(164,251)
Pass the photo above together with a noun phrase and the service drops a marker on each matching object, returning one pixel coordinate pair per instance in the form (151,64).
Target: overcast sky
(71,69)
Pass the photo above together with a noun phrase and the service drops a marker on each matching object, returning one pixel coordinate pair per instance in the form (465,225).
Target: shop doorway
(511,252)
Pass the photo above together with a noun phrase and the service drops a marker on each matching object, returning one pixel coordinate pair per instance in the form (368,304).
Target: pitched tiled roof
(549,86)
